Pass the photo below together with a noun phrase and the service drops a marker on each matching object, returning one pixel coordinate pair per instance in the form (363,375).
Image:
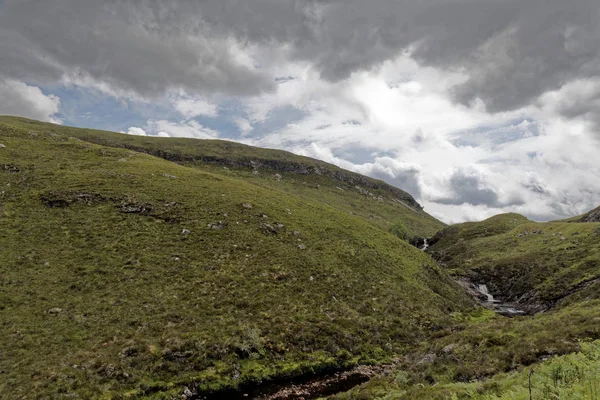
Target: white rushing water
(496,304)
(425,245)
(484,290)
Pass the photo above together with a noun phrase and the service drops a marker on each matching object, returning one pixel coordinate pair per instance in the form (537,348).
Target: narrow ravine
(480,292)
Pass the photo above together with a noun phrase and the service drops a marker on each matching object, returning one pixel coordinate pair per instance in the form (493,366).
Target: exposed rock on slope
(592,216)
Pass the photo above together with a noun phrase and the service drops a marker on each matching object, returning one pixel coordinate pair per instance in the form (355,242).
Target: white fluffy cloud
(243,125)
(399,123)
(191,107)
(134,130)
(164,128)
(18,98)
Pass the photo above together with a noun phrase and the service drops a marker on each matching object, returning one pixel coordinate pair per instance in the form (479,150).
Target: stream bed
(486,299)
(302,388)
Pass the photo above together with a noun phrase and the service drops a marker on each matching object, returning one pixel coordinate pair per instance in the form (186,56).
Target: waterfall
(425,245)
(484,290)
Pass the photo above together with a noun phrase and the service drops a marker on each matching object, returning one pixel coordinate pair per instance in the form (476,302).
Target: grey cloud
(142,47)
(547,44)
(581,101)
(467,186)
(404,176)
(513,50)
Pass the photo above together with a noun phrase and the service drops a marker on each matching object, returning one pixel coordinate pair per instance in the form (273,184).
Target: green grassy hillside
(378,203)
(534,263)
(551,267)
(124,274)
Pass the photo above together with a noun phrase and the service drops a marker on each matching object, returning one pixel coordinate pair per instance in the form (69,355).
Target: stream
(481,293)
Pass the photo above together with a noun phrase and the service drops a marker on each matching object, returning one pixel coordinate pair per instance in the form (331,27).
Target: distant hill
(537,264)
(552,271)
(136,266)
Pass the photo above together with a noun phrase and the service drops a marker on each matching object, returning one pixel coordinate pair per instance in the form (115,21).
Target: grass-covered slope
(126,274)
(553,267)
(380,204)
(520,260)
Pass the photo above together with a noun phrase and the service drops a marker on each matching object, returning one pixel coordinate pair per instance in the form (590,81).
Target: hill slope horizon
(132,274)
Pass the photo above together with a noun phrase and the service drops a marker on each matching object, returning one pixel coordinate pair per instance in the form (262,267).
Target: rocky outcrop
(309,167)
(592,216)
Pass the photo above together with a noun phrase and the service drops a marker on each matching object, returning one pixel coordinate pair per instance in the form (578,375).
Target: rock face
(308,167)
(592,216)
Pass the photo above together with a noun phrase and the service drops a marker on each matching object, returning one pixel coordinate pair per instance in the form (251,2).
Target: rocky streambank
(480,292)
(306,387)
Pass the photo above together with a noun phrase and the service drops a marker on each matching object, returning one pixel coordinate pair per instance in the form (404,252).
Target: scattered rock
(2,146)
(428,359)
(247,206)
(302,246)
(296,233)
(169,176)
(134,208)
(177,356)
(563,238)
(185,232)
(278,177)
(131,351)
(216,226)
(10,168)
(279,225)
(449,348)
(61,199)
(55,311)
(188,393)
(255,172)
(270,228)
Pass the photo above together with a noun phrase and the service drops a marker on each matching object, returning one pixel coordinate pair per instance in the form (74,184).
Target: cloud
(468,186)
(18,98)
(129,49)
(165,128)
(579,99)
(191,107)
(190,129)
(243,125)
(136,131)
(513,51)
(402,175)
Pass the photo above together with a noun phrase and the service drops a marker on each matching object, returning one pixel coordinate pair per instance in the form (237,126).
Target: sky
(475,107)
